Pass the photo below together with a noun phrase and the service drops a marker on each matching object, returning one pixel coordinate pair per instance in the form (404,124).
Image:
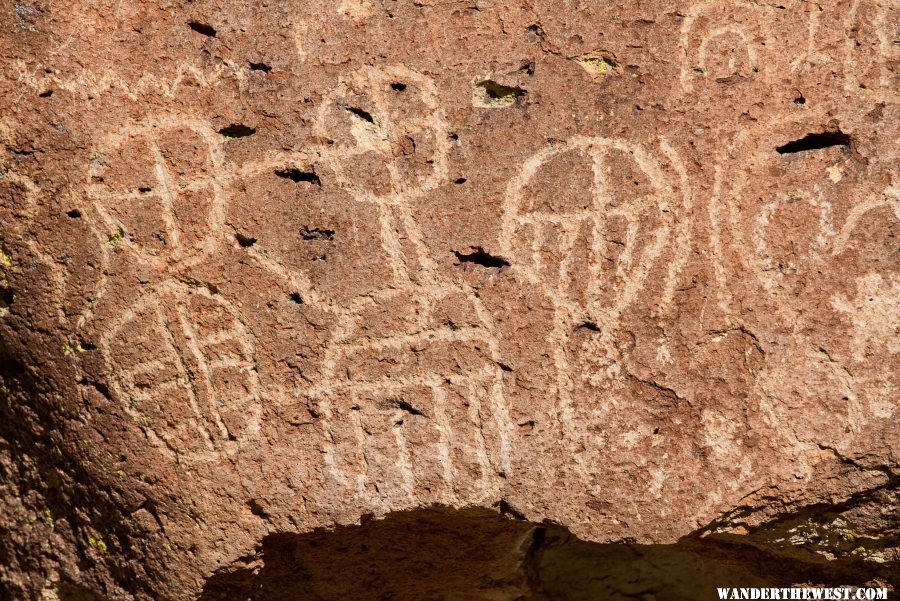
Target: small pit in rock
(478,256)
(244,241)
(237,130)
(818,141)
(298,175)
(490,94)
(203,28)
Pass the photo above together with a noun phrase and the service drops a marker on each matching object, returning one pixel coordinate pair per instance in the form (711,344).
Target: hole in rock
(244,241)
(74,214)
(816,142)
(490,94)
(297,176)
(316,233)
(46,94)
(477,554)
(257,509)
(535,30)
(260,67)
(6,297)
(364,115)
(589,325)
(295,297)
(406,406)
(398,87)
(237,130)
(479,257)
(203,28)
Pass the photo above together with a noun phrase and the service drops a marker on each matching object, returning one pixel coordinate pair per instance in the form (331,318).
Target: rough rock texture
(630,268)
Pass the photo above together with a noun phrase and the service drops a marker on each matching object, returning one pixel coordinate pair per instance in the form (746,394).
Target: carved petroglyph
(181,357)
(811,56)
(183,363)
(91,84)
(890,197)
(592,255)
(875,313)
(682,229)
(808,248)
(390,149)
(157,181)
(719,43)
(160,189)
(871,51)
(758,229)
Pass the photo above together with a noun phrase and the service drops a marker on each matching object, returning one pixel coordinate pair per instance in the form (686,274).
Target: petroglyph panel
(389,148)
(830,215)
(814,249)
(268,268)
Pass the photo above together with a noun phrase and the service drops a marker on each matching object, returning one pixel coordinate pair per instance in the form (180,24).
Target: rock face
(630,268)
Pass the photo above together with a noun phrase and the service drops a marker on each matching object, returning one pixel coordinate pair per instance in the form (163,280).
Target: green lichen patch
(114,239)
(97,543)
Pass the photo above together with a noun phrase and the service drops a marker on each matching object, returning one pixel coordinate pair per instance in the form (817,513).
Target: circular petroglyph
(722,43)
(586,221)
(183,363)
(158,190)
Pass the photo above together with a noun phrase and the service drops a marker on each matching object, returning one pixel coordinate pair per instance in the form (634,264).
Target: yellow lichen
(114,239)
(97,543)
(78,347)
(598,63)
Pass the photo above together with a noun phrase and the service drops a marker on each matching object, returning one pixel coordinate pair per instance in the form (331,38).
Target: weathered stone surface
(629,268)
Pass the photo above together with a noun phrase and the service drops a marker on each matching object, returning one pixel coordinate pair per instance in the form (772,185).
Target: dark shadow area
(816,142)
(476,554)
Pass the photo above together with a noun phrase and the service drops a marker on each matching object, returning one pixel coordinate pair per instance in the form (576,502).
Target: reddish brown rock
(626,268)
